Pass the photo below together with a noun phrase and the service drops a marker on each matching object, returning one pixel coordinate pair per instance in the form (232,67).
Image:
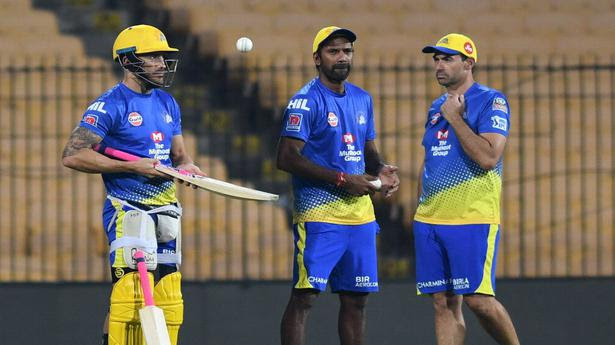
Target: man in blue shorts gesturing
(141,210)
(456,226)
(327,144)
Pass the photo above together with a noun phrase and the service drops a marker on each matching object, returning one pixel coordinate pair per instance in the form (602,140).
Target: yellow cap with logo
(329,31)
(141,39)
(454,44)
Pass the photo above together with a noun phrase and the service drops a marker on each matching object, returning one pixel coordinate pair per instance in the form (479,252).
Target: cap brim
(344,33)
(436,49)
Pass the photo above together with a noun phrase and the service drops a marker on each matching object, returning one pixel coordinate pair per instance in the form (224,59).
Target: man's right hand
(359,185)
(146,167)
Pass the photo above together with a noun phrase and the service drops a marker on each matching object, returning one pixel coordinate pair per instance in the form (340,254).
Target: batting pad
(168,296)
(126,300)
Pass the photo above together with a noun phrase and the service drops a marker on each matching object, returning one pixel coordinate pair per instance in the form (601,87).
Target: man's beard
(337,73)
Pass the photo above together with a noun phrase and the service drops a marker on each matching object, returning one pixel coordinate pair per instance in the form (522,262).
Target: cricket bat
(203,182)
(153,323)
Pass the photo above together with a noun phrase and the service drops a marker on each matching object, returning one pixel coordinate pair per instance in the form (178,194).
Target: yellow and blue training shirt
(455,189)
(140,124)
(334,128)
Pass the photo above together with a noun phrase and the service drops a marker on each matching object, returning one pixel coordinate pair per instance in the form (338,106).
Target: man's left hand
(390,180)
(191,168)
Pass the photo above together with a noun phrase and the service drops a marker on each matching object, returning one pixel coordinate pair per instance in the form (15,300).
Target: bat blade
(217,186)
(154,326)
(207,183)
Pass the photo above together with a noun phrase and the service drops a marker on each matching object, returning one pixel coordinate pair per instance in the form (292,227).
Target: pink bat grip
(125,156)
(143,276)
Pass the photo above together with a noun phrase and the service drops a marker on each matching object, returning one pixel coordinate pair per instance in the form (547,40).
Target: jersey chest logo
(361,118)
(135,119)
(157,136)
(442,134)
(332,119)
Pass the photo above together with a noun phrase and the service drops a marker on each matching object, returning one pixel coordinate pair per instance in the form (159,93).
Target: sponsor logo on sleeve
(499,103)
(97,106)
(298,103)
(294,122)
(135,119)
(499,123)
(332,119)
(434,118)
(90,119)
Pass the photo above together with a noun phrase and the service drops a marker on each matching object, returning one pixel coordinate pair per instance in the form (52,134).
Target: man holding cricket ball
(327,144)
(141,211)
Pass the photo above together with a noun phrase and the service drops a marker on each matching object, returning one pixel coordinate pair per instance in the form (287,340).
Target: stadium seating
(39,106)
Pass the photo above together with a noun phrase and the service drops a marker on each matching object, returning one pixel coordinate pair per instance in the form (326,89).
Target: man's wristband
(340,179)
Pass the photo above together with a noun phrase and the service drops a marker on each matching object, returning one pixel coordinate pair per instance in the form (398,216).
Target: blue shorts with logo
(457,258)
(342,255)
(113,223)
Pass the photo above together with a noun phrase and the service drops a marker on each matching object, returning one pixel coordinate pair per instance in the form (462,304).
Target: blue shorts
(344,255)
(113,221)
(457,258)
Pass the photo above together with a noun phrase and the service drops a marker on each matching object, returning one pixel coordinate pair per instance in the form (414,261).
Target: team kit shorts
(343,256)
(457,258)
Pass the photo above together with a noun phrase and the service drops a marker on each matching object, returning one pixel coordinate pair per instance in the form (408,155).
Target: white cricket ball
(244,44)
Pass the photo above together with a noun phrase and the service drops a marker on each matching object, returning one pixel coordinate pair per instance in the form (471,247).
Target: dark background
(554,311)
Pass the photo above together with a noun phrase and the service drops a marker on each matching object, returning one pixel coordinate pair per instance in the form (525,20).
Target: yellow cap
(141,39)
(454,44)
(329,31)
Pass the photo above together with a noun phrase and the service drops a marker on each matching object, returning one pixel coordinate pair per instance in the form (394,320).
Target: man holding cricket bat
(327,144)
(141,211)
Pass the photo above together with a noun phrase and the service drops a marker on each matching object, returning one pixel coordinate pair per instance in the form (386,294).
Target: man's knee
(446,302)
(355,300)
(480,304)
(303,298)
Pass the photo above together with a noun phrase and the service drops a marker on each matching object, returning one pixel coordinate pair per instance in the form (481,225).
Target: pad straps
(150,246)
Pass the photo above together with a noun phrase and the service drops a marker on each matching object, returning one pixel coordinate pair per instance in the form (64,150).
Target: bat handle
(144,277)
(125,156)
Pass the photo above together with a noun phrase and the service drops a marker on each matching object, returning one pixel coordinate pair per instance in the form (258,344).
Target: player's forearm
(301,166)
(476,147)
(78,154)
(182,160)
(373,161)
(90,161)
